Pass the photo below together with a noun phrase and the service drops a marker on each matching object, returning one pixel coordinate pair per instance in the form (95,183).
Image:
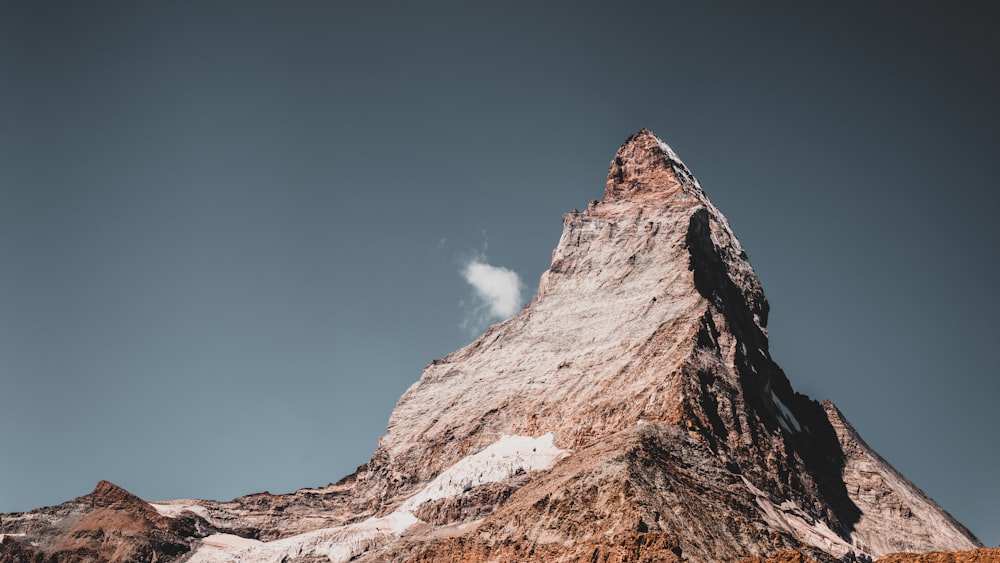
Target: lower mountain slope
(973,556)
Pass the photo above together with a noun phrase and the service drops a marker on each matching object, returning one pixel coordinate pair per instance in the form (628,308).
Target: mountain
(109,524)
(630,412)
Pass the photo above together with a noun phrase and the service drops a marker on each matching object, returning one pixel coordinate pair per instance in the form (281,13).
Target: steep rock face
(887,500)
(630,412)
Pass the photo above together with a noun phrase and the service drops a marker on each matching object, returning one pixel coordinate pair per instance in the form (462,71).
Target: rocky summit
(630,412)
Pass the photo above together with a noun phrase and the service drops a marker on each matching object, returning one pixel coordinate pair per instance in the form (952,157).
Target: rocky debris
(972,556)
(474,504)
(783,556)
(268,517)
(630,412)
(631,548)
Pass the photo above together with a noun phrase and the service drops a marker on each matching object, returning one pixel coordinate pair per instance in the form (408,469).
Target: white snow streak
(501,460)
(174,510)
(227,541)
(786,414)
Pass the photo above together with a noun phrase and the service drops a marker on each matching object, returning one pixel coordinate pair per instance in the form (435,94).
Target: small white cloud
(497,291)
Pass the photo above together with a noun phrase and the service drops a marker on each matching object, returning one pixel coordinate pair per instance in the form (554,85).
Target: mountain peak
(632,411)
(645,167)
(108,494)
(107,489)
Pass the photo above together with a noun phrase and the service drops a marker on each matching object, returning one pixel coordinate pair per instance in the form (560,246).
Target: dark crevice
(822,458)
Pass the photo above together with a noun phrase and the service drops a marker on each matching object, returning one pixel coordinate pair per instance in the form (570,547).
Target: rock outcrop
(110,524)
(630,412)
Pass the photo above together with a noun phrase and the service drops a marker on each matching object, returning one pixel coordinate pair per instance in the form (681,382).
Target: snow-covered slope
(507,457)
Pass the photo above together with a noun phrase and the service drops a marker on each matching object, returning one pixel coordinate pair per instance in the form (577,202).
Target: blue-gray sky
(232,234)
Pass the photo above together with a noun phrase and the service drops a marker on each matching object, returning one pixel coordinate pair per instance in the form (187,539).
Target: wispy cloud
(497,291)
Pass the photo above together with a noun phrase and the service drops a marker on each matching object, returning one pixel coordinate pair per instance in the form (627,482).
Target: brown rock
(783,556)
(972,556)
(108,525)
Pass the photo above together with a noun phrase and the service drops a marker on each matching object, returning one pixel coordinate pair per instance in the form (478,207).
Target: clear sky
(232,233)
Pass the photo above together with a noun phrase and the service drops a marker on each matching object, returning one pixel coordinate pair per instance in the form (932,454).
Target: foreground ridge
(630,412)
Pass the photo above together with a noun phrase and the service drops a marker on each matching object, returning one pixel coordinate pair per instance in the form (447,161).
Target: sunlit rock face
(630,412)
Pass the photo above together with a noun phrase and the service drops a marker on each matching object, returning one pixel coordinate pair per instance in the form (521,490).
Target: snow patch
(501,460)
(786,414)
(226,541)
(174,510)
